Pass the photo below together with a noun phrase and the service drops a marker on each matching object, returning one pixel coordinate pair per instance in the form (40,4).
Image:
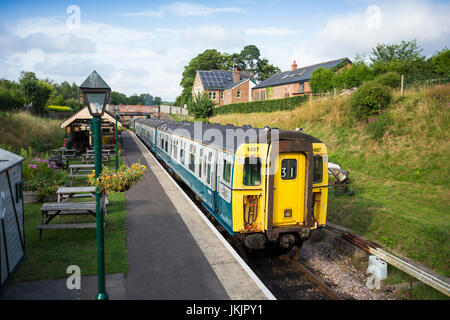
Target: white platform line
(236,256)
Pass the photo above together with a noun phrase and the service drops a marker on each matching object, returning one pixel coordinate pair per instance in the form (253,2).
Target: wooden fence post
(401,86)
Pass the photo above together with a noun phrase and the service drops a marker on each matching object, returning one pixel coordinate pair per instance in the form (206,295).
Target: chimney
(294,66)
(236,75)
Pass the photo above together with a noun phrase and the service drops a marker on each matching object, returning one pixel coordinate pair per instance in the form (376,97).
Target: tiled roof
(297,75)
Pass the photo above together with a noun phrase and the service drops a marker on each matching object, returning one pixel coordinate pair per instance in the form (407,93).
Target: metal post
(117,147)
(96,128)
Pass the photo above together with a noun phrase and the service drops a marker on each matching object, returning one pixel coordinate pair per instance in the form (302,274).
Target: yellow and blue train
(265,186)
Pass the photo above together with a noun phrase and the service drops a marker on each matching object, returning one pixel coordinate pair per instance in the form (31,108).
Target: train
(266,187)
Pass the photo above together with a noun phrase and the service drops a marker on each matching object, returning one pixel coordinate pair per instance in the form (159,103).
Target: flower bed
(43,176)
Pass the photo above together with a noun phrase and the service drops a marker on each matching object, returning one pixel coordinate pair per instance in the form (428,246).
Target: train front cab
(275,206)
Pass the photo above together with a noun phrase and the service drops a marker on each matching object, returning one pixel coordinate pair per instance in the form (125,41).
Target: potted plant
(117,180)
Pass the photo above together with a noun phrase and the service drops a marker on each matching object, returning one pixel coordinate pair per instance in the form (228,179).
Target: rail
(428,277)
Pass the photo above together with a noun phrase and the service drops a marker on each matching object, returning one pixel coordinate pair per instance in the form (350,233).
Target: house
(224,87)
(293,82)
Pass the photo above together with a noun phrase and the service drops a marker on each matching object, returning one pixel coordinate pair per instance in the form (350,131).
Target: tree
(321,80)
(118,98)
(157,101)
(147,99)
(405,51)
(441,63)
(250,56)
(35,91)
(201,107)
(210,59)
(265,70)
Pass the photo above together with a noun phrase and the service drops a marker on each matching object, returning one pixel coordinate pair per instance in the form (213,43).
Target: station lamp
(96,93)
(116,111)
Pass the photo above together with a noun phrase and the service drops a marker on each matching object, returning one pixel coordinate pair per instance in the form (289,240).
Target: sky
(143,46)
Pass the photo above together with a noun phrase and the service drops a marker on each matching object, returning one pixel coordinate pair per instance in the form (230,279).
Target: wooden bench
(66,193)
(50,210)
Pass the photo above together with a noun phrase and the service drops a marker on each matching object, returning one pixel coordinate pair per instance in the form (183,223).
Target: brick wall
(281,91)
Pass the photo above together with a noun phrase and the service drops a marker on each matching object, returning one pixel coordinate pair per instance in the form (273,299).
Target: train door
(224,177)
(289,189)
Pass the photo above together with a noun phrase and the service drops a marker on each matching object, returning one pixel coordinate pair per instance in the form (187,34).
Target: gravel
(337,270)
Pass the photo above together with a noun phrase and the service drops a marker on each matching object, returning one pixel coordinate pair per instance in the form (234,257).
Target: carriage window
(182,155)
(252,171)
(192,158)
(200,164)
(288,169)
(208,176)
(318,169)
(226,171)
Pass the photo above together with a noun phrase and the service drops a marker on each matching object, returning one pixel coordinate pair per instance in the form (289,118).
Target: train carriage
(266,186)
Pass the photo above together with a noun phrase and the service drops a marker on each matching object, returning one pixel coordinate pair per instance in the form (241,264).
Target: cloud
(393,22)
(182,9)
(270,31)
(213,36)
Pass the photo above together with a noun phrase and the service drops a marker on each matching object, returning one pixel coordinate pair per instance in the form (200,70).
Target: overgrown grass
(22,129)
(399,168)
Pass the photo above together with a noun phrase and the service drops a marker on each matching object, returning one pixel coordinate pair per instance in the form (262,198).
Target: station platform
(174,252)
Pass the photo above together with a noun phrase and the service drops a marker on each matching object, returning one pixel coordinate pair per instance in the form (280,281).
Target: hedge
(60,108)
(261,106)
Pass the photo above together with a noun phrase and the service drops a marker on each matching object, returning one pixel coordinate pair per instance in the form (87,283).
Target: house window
(239,94)
(221,95)
(302,87)
(286,95)
(212,95)
(263,95)
(257,95)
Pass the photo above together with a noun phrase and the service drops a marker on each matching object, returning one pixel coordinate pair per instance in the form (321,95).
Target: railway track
(285,276)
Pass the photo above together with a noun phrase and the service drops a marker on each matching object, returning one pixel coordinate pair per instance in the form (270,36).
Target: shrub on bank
(390,79)
(369,99)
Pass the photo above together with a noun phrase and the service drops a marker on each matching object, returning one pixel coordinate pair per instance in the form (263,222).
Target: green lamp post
(96,92)
(116,110)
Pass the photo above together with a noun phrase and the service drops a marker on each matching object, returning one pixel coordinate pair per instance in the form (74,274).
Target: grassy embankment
(22,129)
(400,169)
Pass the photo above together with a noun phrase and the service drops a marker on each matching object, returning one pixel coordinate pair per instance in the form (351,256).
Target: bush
(321,80)
(390,79)
(261,106)
(11,99)
(369,99)
(60,108)
(201,106)
(42,175)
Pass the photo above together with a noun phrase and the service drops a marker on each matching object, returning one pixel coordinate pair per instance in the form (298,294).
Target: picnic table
(50,210)
(90,155)
(66,193)
(65,153)
(79,170)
